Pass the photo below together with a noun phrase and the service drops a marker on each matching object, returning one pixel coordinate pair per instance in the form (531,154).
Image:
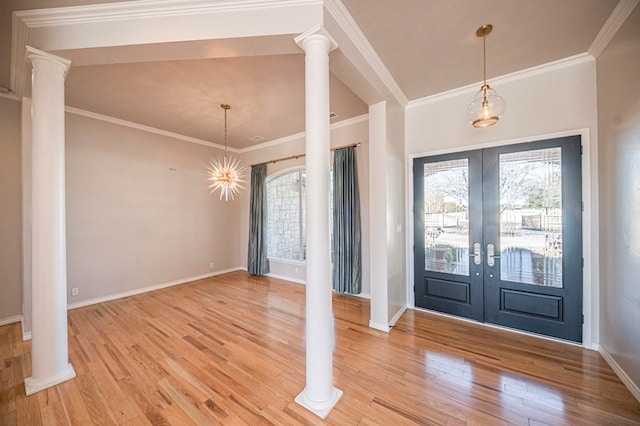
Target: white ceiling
(428,46)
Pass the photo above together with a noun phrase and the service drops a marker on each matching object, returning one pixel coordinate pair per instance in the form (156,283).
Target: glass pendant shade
(486,108)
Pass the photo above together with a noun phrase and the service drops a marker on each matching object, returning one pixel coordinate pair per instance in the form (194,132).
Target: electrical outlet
(211,265)
(75,291)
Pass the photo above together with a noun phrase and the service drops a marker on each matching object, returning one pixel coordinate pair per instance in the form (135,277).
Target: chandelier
(225,174)
(487,106)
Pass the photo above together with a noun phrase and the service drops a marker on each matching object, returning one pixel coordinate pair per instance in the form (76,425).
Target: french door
(498,235)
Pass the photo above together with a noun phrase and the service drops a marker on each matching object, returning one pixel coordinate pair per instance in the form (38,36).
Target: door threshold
(500,327)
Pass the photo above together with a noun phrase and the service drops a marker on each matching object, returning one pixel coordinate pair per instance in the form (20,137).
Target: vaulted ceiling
(428,47)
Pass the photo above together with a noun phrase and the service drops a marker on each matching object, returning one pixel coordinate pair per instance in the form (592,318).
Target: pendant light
(226,174)
(487,106)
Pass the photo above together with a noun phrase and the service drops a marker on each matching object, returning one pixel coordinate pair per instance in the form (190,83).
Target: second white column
(319,395)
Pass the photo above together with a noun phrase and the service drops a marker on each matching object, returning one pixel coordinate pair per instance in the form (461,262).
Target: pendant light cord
(484,58)
(225,107)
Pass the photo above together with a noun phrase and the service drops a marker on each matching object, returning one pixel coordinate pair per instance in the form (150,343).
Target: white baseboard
(361,295)
(633,387)
(397,316)
(285,278)
(26,335)
(378,326)
(147,289)
(304,282)
(10,320)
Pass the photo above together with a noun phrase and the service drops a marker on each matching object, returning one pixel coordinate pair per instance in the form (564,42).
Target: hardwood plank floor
(230,350)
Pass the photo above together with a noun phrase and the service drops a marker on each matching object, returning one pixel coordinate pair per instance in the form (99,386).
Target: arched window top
(281,173)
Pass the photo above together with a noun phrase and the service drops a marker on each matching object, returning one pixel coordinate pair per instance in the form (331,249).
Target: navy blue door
(498,236)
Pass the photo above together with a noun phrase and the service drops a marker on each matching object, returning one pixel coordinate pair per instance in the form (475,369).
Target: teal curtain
(257,262)
(347,237)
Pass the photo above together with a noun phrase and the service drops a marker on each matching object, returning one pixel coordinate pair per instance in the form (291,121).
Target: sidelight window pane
(531,217)
(446,207)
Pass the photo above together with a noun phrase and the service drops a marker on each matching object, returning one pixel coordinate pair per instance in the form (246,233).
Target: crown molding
(296,136)
(350,121)
(346,22)
(273,142)
(156,131)
(611,26)
(148,129)
(19,65)
(9,95)
(507,78)
(144,9)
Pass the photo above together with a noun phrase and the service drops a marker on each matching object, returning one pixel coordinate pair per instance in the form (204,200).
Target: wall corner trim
(630,384)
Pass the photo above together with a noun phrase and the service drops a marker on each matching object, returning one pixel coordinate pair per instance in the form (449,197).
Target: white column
(25,130)
(319,396)
(49,340)
(378,217)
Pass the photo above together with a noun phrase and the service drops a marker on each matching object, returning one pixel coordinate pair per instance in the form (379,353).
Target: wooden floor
(230,350)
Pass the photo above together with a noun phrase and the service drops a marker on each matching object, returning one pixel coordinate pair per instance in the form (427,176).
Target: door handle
(491,256)
(477,256)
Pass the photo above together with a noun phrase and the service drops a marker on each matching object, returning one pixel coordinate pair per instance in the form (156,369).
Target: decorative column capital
(317,33)
(35,55)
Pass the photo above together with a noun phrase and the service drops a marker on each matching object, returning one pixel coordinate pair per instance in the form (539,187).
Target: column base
(32,386)
(320,408)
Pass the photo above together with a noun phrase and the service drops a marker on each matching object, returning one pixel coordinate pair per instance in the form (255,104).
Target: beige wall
(10,212)
(619,134)
(138,211)
(139,214)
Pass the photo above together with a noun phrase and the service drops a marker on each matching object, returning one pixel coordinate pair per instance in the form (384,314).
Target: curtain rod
(295,157)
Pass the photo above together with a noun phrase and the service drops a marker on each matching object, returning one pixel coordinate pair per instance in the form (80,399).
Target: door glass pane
(531,217)
(446,221)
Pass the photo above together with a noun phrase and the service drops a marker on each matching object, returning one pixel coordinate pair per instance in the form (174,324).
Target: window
(286,215)
(286,218)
